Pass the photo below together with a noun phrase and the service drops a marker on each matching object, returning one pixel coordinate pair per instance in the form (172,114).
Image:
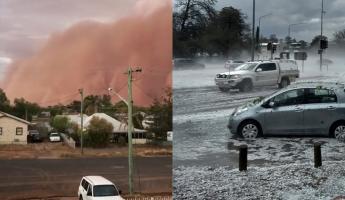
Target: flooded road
(200,118)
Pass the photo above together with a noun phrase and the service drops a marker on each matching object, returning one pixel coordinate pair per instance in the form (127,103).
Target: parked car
(34,136)
(54,137)
(97,187)
(186,63)
(258,73)
(303,108)
(170,136)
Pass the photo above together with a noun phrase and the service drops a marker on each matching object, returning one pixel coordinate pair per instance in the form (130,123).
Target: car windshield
(246,66)
(268,97)
(105,190)
(54,134)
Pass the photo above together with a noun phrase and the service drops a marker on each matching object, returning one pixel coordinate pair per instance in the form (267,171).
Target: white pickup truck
(258,73)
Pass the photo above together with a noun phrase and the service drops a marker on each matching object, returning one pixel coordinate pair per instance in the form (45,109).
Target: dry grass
(60,150)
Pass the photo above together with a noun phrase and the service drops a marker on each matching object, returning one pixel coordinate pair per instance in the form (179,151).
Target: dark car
(34,136)
(186,63)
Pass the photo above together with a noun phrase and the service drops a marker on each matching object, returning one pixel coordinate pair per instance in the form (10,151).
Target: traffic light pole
(321,50)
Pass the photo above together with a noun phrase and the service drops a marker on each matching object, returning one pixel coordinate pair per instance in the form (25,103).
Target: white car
(97,188)
(54,137)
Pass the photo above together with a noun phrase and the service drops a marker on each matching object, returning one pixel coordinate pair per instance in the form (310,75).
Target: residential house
(13,130)
(120,128)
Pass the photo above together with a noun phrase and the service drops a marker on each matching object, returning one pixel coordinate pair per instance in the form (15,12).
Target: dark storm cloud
(285,12)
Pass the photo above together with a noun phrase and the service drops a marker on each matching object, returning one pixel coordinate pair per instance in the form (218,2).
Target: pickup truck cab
(258,73)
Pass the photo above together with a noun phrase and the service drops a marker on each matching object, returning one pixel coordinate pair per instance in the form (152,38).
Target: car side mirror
(258,70)
(272,104)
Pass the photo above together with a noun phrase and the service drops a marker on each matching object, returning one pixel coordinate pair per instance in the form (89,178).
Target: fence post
(317,155)
(243,157)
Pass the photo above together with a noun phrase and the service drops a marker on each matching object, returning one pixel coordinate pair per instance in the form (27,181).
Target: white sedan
(54,137)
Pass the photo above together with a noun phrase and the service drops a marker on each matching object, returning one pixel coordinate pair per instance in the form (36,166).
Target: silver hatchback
(304,108)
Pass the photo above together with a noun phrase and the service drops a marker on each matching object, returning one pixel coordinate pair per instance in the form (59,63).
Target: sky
(285,12)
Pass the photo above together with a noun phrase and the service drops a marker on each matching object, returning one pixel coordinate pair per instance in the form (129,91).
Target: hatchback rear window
(104,190)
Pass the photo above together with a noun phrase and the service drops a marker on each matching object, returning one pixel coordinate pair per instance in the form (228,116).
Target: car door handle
(331,108)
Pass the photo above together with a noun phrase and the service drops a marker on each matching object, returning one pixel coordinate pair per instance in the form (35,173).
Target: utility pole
(321,50)
(130,128)
(253,31)
(81,91)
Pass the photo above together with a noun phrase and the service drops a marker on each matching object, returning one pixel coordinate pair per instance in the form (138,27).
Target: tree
(339,37)
(61,124)
(227,33)
(98,132)
(161,113)
(24,109)
(56,110)
(303,44)
(193,12)
(273,38)
(4,102)
(74,106)
(97,103)
(315,43)
(189,21)
(91,104)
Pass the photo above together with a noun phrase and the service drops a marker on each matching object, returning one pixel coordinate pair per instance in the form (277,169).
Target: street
(20,179)
(200,119)
(206,154)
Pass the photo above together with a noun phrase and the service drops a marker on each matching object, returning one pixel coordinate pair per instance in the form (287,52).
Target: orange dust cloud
(95,56)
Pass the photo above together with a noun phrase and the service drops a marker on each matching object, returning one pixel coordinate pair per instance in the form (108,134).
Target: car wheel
(246,86)
(80,197)
(250,130)
(339,131)
(284,83)
(224,89)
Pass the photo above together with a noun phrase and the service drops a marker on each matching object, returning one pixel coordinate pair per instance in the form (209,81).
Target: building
(13,130)
(120,128)
(75,118)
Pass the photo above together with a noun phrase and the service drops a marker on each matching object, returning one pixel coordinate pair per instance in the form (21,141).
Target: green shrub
(98,133)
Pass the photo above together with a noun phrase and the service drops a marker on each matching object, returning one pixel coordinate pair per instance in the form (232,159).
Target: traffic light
(323,44)
(269,46)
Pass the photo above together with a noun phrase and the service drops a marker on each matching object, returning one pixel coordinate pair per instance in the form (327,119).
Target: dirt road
(58,177)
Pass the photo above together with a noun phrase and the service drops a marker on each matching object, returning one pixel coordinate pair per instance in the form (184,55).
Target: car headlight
(240,111)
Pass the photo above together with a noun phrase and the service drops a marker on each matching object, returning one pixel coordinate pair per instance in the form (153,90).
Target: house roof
(75,118)
(118,127)
(3,114)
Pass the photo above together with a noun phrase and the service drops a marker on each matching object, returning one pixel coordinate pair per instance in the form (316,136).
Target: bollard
(243,157)
(317,155)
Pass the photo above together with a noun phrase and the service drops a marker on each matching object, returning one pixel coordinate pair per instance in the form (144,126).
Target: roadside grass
(48,150)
